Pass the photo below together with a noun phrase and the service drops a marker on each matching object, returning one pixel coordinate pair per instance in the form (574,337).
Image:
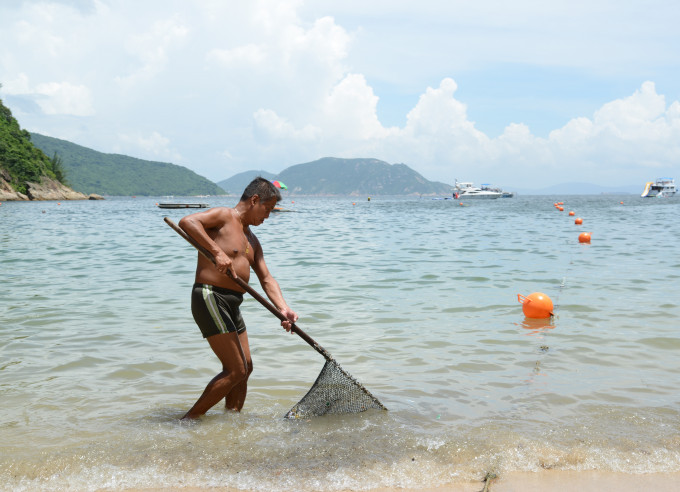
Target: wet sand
(549,480)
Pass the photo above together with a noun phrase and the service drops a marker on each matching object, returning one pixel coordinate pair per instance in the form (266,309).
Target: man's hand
(223,264)
(291,317)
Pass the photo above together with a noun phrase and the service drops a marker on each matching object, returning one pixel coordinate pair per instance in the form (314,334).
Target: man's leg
(237,396)
(226,348)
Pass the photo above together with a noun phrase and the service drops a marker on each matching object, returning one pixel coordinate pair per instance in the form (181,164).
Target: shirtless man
(215,299)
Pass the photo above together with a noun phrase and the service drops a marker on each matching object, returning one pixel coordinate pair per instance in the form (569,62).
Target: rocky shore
(47,189)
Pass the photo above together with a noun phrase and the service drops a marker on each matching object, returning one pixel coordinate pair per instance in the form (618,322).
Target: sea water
(414,297)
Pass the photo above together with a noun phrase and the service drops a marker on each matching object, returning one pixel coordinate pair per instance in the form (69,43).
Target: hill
(335,176)
(90,171)
(25,171)
(238,182)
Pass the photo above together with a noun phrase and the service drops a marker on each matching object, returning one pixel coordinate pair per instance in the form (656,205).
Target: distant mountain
(89,171)
(237,183)
(335,176)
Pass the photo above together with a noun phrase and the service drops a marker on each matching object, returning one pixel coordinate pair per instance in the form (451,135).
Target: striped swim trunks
(216,310)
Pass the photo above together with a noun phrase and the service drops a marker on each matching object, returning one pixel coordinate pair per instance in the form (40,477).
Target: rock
(50,189)
(7,193)
(94,196)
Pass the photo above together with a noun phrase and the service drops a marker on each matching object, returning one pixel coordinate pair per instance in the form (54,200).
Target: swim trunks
(216,310)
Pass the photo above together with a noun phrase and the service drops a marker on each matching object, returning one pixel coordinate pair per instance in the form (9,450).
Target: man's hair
(262,188)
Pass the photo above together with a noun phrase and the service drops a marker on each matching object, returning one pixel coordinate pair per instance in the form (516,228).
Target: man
(215,299)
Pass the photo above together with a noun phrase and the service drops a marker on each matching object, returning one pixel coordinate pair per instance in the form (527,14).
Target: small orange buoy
(460,203)
(572,213)
(621,203)
(536,305)
(584,237)
(578,221)
(561,209)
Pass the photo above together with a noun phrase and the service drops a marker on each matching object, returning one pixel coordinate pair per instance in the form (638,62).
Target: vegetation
(20,160)
(334,176)
(90,171)
(23,158)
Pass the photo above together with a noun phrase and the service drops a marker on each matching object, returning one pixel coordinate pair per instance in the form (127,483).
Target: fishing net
(334,391)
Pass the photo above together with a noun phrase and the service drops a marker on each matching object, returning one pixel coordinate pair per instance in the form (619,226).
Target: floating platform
(182,205)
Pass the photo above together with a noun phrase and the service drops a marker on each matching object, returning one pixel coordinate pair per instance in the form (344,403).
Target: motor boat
(465,190)
(661,188)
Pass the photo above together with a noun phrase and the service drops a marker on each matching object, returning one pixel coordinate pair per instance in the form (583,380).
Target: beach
(415,298)
(562,481)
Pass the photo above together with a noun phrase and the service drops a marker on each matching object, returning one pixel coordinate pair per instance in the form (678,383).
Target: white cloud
(269,127)
(152,49)
(17,86)
(65,98)
(622,137)
(54,98)
(350,110)
(288,81)
(153,147)
(249,54)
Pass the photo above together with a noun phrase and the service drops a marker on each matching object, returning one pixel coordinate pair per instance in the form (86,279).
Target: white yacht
(661,188)
(464,190)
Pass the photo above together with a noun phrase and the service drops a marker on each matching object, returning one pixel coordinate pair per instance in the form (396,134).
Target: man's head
(262,188)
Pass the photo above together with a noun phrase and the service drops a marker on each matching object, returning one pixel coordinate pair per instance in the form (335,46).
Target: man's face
(263,209)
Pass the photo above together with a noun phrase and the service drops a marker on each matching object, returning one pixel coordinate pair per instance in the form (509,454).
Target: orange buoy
(572,213)
(584,237)
(561,209)
(536,305)
(460,203)
(621,203)
(578,221)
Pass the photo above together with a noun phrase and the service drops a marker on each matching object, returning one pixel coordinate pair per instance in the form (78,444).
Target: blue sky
(522,94)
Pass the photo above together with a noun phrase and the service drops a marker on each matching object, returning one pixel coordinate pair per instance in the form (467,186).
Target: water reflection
(537,325)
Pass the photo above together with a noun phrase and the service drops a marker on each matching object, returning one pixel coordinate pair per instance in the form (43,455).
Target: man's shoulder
(222,211)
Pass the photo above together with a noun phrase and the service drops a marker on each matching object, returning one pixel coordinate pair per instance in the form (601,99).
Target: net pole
(245,286)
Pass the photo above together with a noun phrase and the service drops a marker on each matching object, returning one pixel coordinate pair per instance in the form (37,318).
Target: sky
(526,94)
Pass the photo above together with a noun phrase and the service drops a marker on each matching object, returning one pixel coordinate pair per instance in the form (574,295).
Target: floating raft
(182,205)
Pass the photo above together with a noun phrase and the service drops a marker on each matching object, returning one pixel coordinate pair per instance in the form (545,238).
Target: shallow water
(416,298)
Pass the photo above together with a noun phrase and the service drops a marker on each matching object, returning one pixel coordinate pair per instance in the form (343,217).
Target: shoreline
(542,481)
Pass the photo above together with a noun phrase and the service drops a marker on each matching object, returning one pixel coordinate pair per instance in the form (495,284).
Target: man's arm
(197,225)
(271,286)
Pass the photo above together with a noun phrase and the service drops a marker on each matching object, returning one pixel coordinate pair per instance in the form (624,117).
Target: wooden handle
(245,286)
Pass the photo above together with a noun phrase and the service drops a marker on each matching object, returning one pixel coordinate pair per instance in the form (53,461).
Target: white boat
(661,188)
(504,194)
(464,190)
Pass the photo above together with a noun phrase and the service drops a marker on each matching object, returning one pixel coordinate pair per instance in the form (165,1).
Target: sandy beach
(549,480)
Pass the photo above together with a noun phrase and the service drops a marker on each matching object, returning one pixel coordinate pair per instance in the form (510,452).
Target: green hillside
(89,171)
(20,160)
(334,176)
(238,182)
